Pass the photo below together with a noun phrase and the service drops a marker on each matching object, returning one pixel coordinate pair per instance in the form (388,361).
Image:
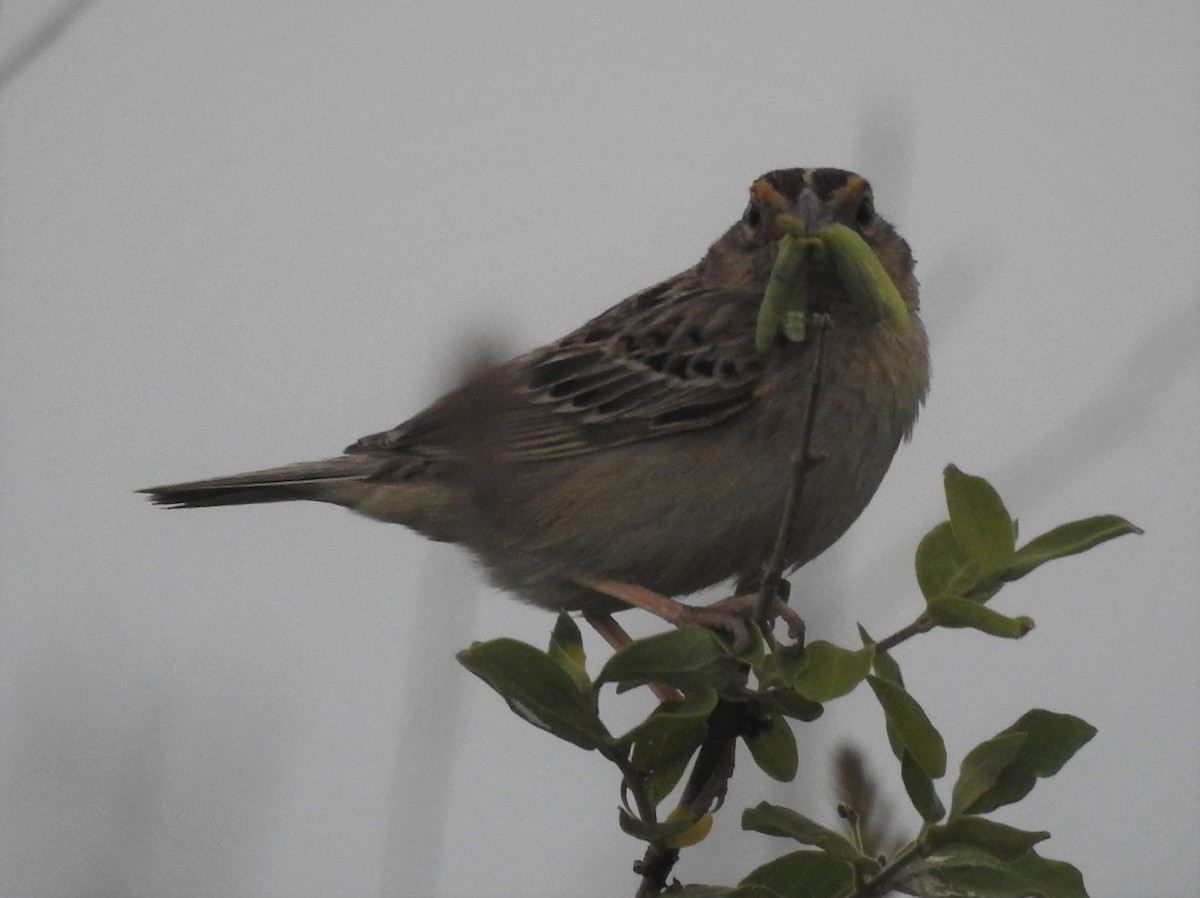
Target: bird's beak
(810,211)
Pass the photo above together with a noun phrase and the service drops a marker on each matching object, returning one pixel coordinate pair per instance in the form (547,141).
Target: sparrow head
(813,197)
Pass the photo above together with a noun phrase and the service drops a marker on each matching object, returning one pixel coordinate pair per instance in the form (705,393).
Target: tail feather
(337,480)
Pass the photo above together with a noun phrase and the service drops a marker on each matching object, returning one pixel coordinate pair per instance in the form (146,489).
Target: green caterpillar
(785,301)
(859,269)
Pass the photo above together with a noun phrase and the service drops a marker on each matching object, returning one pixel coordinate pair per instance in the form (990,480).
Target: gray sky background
(235,235)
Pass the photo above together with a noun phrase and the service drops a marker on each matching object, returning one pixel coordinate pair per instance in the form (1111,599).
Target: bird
(648,454)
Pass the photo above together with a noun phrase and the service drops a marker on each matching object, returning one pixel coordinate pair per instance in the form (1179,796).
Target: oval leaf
(1054,879)
(746,891)
(801,874)
(775,820)
(651,832)
(956,870)
(981,769)
(791,704)
(828,671)
(911,726)
(774,750)
(538,689)
(566,642)
(883,664)
(665,742)
(962,870)
(666,772)
(982,525)
(1004,842)
(687,658)
(1051,740)
(566,647)
(670,716)
(696,833)
(942,565)
(919,786)
(1067,539)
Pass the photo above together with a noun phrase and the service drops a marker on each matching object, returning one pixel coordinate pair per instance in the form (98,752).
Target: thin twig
(803,460)
(705,787)
(881,883)
(715,760)
(921,625)
(634,785)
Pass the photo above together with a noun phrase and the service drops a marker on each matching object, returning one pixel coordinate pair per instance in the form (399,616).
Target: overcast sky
(236,235)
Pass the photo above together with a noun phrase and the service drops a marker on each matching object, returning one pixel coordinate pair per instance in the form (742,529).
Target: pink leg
(614,634)
(730,614)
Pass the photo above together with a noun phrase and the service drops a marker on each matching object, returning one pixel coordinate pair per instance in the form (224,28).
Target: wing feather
(672,358)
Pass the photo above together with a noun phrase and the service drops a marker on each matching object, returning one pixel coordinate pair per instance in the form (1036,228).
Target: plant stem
(922,624)
(802,461)
(634,784)
(880,884)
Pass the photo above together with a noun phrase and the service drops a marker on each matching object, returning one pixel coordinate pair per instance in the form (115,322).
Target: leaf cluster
(755,696)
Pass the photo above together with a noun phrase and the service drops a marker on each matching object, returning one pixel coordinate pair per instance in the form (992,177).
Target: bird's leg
(754,585)
(614,634)
(730,615)
(745,607)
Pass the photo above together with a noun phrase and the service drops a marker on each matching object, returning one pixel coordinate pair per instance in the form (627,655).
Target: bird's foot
(732,615)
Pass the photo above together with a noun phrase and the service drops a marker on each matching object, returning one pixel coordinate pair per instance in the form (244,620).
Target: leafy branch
(753,696)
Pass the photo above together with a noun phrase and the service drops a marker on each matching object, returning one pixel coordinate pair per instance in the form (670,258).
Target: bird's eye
(865,213)
(752,216)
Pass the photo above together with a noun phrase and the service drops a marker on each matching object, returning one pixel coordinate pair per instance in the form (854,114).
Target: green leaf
(1067,539)
(650,832)
(802,874)
(1051,740)
(1004,842)
(827,671)
(884,664)
(566,647)
(919,786)
(665,742)
(1054,879)
(775,820)
(951,611)
(694,890)
(664,758)
(791,704)
(751,891)
(774,750)
(982,767)
(538,689)
(911,726)
(943,567)
(666,772)
(566,642)
(958,870)
(688,658)
(670,717)
(981,523)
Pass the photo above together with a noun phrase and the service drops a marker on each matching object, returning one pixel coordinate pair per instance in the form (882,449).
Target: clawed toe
(732,615)
(735,614)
